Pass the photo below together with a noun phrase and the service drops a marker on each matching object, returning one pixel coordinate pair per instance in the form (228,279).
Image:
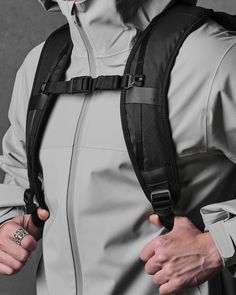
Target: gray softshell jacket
(98,212)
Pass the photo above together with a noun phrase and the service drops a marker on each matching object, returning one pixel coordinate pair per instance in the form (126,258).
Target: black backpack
(144,105)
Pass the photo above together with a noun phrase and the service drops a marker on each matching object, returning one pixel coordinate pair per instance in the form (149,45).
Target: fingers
(154,219)
(43,214)
(170,286)
(9,264)
(153,265)
(16,251)
(150,249)
(12,255)
(6,270)
(147,252)
(28,242)
(13,259)
(26,222)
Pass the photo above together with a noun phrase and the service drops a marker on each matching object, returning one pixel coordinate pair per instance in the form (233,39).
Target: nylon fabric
(206,162)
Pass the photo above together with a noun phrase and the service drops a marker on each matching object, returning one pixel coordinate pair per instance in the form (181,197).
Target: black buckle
(81,84)
(162,202)
(133,80)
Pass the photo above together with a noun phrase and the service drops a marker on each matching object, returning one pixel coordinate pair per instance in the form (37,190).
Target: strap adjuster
(81,84)
(162,202)
(131,81)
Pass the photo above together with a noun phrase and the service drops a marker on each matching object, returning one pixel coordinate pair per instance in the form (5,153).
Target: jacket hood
(52,5)
(103,24)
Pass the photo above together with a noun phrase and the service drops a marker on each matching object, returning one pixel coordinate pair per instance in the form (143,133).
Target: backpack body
(144,104)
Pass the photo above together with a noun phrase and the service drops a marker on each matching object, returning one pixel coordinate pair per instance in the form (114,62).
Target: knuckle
(169,269)
(4,242)
(4,231)
(162,257)
(6,227)
(24,256)
(17,266)
(156,280)
(162,242)
(1,244)
(147,269)
(158,242)
(9,272)
(178,283)
(28,243)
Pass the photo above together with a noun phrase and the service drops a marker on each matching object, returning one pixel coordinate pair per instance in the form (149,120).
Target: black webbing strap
(87,84)
(54,61)
(225,20)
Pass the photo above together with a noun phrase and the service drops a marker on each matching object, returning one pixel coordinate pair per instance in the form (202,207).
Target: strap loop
(81,84)
(29,201)
(31,207)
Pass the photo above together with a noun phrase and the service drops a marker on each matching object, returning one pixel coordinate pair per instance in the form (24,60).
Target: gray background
(24,24)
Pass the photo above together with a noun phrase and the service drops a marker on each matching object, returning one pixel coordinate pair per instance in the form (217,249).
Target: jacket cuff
(220,221)
(221,234)
(10,213)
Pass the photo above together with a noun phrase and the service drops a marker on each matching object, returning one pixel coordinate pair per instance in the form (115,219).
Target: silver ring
(19,235)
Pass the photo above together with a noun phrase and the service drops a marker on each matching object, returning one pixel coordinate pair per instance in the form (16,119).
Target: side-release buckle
(162,202)
(81,84)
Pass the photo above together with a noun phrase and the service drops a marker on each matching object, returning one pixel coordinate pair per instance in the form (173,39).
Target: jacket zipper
(74,164)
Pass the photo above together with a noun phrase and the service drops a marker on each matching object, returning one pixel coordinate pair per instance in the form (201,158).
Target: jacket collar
(102,24)
(145,14)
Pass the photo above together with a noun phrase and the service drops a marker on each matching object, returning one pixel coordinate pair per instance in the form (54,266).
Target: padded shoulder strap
(54,60)
(144,106)
(226,20)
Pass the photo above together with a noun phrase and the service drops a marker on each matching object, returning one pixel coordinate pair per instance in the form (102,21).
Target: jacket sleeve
(13,160)
(220,218)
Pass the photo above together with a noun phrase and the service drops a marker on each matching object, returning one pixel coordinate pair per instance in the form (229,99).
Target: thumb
(36,230)
(42,214)
(154,219)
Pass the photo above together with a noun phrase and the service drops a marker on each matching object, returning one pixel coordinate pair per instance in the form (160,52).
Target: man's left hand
(182,258)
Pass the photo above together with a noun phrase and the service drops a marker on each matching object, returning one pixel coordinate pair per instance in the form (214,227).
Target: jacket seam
(97,56)
(210,92)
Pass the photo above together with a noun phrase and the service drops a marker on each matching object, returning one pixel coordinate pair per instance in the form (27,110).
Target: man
(98,225)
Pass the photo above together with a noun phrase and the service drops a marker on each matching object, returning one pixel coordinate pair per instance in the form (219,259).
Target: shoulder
(208,45)
(29,66)
(23,85)
(219,55)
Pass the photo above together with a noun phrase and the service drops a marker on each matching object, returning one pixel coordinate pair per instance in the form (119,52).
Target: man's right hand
(14,256)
